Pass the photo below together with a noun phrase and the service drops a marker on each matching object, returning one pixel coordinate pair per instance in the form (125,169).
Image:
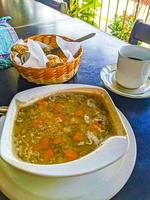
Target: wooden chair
(140,32)
(62,7)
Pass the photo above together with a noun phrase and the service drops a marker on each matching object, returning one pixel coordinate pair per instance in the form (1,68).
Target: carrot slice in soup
(95,126)
(58,106)
(37,122)
(48,154)
(36,148)
(44,142)
(70,154)
(77,137)
(79,113)
(42,103)
(58,139)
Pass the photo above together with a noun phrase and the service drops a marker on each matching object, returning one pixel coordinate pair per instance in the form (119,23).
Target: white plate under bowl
(105,187)
(107,75)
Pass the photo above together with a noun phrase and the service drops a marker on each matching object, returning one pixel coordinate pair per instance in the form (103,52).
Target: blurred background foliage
(122,25)
(85,11)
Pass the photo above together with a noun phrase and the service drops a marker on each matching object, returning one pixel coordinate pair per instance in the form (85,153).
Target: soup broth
(60,128)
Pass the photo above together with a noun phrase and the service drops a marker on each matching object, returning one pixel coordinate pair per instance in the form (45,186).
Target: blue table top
(98,51)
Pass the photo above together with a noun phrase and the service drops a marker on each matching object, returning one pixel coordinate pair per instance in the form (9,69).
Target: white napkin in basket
(68,48)
(37,57)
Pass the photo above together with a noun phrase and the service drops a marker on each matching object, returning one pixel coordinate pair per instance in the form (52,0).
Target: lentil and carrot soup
(61,128)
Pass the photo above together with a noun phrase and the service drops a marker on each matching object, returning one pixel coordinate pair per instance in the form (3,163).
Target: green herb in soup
(61,128)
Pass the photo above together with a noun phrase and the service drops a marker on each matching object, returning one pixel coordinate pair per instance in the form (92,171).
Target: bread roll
(19,48)
(54,60)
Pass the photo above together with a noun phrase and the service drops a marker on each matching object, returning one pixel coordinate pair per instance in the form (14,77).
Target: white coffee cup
(133,66)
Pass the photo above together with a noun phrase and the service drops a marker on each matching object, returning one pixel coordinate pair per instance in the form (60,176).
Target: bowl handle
(3,110)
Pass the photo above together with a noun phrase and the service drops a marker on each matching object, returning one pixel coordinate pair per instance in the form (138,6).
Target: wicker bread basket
(49,75)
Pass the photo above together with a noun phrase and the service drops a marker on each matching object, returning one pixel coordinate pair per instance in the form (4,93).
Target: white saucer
(104,188)
(107,75)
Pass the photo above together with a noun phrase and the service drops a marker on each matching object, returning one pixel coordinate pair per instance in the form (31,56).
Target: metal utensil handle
(85,37)
(3,109)
(54,51)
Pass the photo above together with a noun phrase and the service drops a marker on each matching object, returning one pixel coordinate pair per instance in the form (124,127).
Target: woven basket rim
(42,68)
(49,35)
